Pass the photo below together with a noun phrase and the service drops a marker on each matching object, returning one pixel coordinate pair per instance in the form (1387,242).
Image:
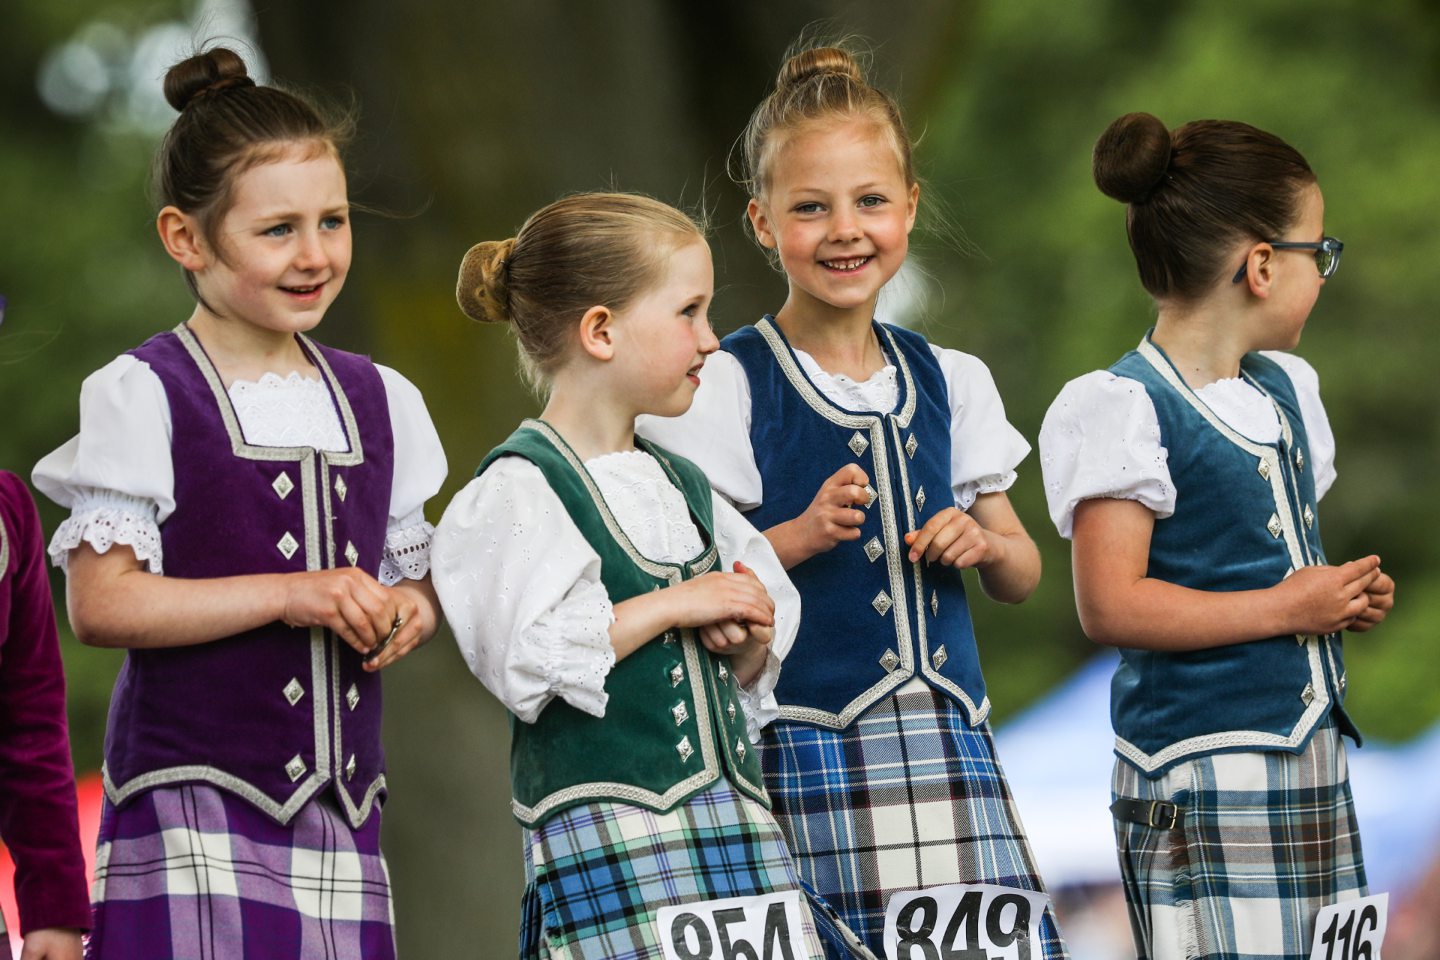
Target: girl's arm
(115,602)
(990,538)
(709,599)
(1119,605)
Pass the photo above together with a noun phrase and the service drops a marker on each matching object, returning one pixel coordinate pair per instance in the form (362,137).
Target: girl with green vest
(631,621)
(1188,476)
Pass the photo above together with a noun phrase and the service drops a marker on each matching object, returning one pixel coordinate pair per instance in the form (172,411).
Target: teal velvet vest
(673,724)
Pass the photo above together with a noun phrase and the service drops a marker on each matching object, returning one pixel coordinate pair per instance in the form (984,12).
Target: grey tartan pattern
(1266,840)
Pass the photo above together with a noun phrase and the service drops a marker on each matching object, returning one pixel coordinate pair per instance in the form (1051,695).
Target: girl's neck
(841,341)
(243,351)
(1204,343)
(592,422)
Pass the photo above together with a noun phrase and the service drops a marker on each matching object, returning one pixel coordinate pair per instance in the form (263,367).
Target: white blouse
(118,481)
(1101,437)
(521,585)
(715,432)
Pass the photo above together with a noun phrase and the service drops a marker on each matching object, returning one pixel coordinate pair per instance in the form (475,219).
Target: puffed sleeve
(420,469)
(521,589)
(984,449)
(1101,438)
(714,433)
(1317,423)
(115,475)
(737,539)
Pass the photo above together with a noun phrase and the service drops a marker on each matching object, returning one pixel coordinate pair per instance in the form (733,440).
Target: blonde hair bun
(815,62)
(482,290)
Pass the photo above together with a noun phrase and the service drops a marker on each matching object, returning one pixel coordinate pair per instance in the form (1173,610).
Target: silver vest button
(939,656)
(350,768)
(882,603)
(282,485)
(293,691)
(341,488)
(858,443)
(352,697)
(889,660)
(287,545)
(677,674)
(684,749)
(680,712)
(295,769)
(351,553)
(874,549)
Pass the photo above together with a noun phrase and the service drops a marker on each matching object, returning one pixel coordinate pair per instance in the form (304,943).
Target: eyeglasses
(1327,255)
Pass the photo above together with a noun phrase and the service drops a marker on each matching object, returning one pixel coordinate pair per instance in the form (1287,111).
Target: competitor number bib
(964,921)
(767,927)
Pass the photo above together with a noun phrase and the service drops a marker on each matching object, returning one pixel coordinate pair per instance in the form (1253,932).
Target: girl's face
(284,244)
(664,335)
(1296,281)
(839,213)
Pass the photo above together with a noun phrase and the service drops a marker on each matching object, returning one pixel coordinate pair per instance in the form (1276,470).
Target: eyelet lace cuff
(104,522)
(407,553)
(758,700)
(572,647)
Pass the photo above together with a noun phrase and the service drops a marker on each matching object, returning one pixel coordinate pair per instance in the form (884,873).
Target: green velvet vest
(673,722)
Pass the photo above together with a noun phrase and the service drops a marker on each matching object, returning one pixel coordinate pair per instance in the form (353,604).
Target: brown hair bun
(213,70)
(1131,157)
(817,62)
(482,289)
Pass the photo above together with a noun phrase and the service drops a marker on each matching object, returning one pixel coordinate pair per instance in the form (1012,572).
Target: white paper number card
(964,921)
(1351,929)
(739,928)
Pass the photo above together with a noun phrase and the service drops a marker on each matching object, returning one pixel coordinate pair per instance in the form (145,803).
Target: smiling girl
(877,465)
(246,521)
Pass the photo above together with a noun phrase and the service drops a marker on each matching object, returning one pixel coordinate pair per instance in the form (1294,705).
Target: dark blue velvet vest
(871,618)
(276,713)
(1245,518)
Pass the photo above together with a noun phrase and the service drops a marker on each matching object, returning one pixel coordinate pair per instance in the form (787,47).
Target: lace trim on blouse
(105,518)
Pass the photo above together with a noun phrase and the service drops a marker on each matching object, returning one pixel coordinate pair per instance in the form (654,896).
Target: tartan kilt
(908,796)
(1266,840)
(596,875)
(196,872)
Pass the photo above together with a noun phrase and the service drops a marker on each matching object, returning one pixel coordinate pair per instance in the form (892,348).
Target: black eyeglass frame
(1326,245)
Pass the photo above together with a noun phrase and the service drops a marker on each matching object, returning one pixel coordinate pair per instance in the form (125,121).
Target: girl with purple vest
(877,465)
(1188,476)
(247,522)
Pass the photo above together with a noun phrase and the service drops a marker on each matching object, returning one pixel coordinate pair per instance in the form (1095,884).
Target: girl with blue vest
(247,523)
(1188,476)
(877,464)
(630,621)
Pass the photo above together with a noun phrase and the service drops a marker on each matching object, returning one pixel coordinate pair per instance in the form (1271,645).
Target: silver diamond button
(889,660)
(350,768)
(920,499)
(680,712)
(740,749)
(1273,525)
(870,494)
(1264,469)
(939,657)
(677,674)
(858,443)
(684,749)
(341,488)
(352,697)
(351,553)
(288,545)
(283,485)
(1309,516)
(669,637)
(882,603)
(1342,681)
(934,603)
(873,549)
(295,769)
(724,672)
(1300,459)
(1307,696)
(730,708)
(911,446)
(293,691)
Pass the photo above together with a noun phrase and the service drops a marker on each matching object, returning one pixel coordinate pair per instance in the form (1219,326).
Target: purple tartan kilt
(908,796)
(196,872)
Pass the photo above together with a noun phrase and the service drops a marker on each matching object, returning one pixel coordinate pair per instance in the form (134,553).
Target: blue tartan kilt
(195,872)
(1266,840)
(908,796)
(597,875)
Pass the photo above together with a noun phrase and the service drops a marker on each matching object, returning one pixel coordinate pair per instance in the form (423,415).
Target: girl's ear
(597,333)
(760,223)
(1260,270)
(912,203)
(181,237)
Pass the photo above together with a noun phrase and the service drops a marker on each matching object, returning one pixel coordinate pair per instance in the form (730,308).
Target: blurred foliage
(475,114)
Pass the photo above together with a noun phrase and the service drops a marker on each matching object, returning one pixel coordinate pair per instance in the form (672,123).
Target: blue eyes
(864,203)
(279,230)
(332,223)
(285,229)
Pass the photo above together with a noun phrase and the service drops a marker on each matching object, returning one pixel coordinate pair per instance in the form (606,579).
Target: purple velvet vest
(276,713)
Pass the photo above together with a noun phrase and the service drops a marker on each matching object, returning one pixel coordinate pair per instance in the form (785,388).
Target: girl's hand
(418,611)
(1325,599)
(716,598)
(748,644)
(1380,596)
(831,518)
(52,943)
(952,538)
(347,601)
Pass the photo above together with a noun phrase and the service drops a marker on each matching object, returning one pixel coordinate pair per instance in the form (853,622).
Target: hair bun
(1131,157)
(215,69)
(818,61)
(483,290)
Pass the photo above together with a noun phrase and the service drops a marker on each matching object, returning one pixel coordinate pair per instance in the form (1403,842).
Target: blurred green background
(473,113)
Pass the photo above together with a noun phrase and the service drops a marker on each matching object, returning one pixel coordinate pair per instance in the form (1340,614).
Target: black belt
(1159,814)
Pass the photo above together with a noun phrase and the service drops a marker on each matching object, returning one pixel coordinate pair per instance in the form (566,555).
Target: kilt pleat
(908,796)
(195,872)
(1266,840)
(597,875)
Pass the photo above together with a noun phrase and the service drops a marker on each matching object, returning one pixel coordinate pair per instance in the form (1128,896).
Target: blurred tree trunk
(474,115)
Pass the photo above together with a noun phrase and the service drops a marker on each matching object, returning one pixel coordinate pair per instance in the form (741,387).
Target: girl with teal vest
(878,466)
(1188,476)
(630,621)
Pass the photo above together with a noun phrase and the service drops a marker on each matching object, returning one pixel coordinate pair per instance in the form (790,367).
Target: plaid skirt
(597,875)
(908,796)
(1266,840)
(196,872)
